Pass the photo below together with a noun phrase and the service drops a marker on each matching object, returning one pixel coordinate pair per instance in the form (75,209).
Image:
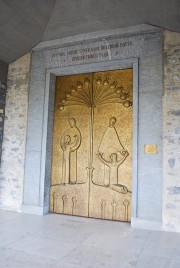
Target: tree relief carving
(112,155)
(105,91)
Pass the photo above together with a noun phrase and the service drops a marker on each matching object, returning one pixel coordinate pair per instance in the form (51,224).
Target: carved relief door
(92,145)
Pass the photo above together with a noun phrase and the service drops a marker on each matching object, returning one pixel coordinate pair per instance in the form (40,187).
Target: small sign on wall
(150,149)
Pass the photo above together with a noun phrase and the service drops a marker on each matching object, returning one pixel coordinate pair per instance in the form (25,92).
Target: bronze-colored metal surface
(92,145)
(150,149)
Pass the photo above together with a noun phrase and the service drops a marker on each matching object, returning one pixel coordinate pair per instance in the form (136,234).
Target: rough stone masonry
(171,123)
(13,150)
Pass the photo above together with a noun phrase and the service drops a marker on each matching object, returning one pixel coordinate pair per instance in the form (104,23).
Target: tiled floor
(28,241)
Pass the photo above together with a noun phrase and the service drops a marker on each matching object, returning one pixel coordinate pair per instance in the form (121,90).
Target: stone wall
(171,192)
(13,151)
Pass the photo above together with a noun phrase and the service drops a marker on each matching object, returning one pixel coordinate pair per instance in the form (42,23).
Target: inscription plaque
(150,149)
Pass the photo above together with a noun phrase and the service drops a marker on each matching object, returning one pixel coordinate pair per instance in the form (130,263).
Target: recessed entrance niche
(92,145)
(138,48)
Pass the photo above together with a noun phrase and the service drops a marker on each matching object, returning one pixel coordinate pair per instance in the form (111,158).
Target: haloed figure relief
(112,154)
(70,142)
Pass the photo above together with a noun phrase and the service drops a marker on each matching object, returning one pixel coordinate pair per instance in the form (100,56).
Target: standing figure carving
(70,142)
(113,166)
(112,153)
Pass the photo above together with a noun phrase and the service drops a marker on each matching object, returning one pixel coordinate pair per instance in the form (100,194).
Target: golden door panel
(69,190)
(92,145)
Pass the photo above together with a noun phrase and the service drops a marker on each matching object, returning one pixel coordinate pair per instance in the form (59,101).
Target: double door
(92,145)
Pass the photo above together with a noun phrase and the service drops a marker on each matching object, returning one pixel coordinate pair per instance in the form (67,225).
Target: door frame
(47,137)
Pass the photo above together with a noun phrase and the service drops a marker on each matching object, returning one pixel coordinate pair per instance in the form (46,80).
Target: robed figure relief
(70,142)
(111,153)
